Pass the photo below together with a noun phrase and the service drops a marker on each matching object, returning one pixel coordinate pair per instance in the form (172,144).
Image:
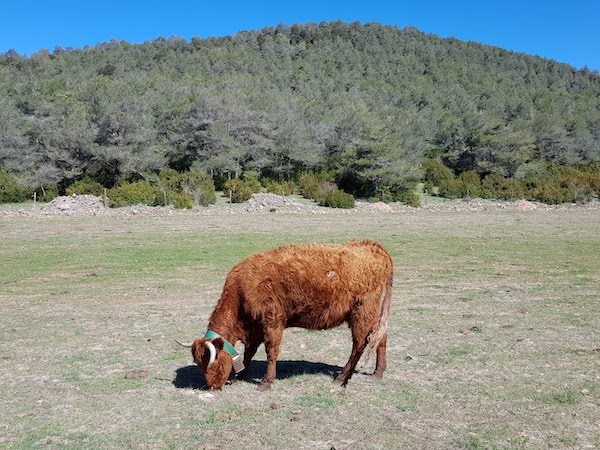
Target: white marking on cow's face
(331,274)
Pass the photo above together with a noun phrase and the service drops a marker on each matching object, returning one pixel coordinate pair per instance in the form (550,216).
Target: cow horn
(213,353)
(184,344)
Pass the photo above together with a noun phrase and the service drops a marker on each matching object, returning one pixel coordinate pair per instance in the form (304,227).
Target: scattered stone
(89,205)
(75,204)
(378,207)
(207,397)
(525,205)
(270,202)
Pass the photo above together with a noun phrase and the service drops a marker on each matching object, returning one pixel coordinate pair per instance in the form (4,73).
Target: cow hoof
(377,375)
(340,381)
(262,387)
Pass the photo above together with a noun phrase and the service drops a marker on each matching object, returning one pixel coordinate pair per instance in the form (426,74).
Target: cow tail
(378,333)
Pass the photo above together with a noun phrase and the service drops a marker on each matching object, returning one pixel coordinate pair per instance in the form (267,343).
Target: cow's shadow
(191,377)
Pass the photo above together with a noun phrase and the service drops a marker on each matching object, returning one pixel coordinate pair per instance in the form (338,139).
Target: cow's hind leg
(358,347)
(381,363)
(362,322)
(359,342)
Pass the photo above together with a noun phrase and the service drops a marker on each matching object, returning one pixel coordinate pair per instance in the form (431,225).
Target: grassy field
(494,334)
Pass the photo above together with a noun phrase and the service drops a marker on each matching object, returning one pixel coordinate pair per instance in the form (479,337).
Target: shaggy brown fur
(310,286)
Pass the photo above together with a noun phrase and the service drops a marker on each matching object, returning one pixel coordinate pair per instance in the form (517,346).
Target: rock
(379,207)
(525,205)
(270,202)
(76,204)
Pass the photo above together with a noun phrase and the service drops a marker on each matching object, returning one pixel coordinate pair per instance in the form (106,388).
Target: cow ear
(219,344)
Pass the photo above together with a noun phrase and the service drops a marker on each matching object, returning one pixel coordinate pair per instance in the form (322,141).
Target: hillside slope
(369,101)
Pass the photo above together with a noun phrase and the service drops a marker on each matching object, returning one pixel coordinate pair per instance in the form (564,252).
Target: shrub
(251,179)
(280,188)
(412,198)
(408,196)
(435,173)
(312,185)
(468,184)
(180,201)
(47,194)
(450,188)
(140,192)
(385,195)
(10,190)
(198,185)
(336,198)
(552,193)
(241,190)
(498,187)
(86,186)
(581,184)
(565,184)
(170,180)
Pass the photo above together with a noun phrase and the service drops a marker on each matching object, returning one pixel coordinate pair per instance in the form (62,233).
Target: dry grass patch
(493,334)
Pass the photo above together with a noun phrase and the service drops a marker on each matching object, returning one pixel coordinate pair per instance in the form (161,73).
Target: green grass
(493,340)
(560,398)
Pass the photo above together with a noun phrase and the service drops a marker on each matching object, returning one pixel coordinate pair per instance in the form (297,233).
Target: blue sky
(565,31)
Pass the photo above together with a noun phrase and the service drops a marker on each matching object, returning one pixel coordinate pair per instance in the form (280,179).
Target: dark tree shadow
(191,377)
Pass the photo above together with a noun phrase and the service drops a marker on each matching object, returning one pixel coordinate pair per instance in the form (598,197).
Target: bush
(434,174)
(87,186)
(47,194)
(195,184)
(180,201)
(313,185)
(552,193)
(140,192)
(280,188)
(498,187)
(198,185)
(450,188)
(336,199)
(565,184)
(241,190)
(10,190)
(170,180)
(468,184)
(411,198)
(581,184)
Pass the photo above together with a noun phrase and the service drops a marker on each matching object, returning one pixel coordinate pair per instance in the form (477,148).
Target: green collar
(227,345)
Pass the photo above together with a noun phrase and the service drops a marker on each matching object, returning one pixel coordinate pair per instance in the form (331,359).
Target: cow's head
(214,363)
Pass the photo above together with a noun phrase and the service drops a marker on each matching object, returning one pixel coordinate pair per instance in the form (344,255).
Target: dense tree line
(368,102)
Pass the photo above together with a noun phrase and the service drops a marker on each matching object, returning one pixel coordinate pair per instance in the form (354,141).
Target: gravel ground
(89,205)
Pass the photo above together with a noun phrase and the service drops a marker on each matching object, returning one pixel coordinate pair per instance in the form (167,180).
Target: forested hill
(370,102)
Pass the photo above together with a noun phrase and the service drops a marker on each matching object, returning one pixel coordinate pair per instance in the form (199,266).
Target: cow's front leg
(249,352)
(272,343)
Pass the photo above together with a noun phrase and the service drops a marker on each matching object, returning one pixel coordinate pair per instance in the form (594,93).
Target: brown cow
(310,286)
